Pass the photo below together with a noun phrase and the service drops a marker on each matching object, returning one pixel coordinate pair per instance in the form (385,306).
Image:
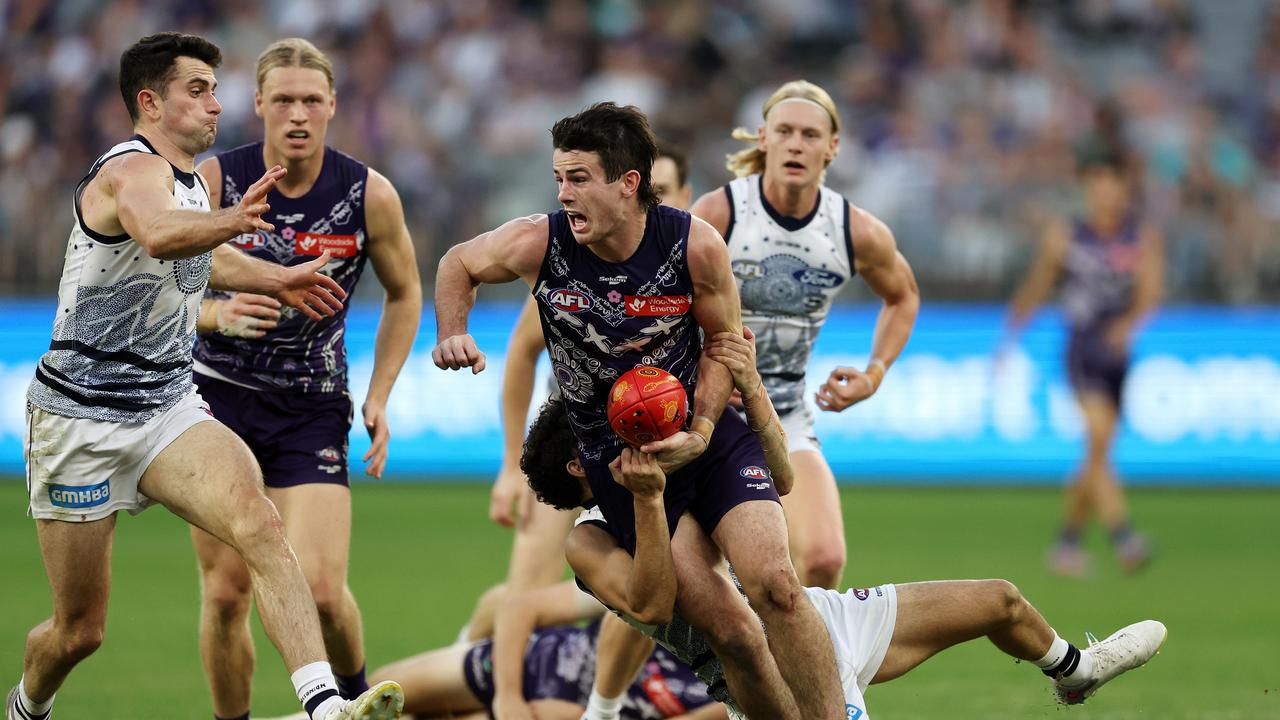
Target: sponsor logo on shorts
(852,712)
(329,454)
(72,496)
(754,472)
(861,593)
(656,305)
(818,277)
(314,244)
(568,300)
(331,469)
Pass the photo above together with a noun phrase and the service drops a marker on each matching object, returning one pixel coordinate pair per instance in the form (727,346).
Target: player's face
(666,182)
(798,143)
(1105,192)
(594,205)
(188,113)
(295,105)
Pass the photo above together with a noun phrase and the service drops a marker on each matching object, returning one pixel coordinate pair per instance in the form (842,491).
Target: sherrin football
(647,404)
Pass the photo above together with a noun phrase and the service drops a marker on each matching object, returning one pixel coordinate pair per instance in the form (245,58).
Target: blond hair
(293,52)
(750,160)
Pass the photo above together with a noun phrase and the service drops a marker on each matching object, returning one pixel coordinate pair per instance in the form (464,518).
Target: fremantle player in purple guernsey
(279,378)
(621,281)
(1112,268)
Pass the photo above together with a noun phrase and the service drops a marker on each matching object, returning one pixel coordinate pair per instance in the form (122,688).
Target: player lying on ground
(879,633)
(539,666)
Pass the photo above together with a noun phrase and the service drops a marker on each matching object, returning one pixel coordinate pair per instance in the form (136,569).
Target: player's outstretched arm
(514,250)
(144,207)
(738,354)
(717,309)
(518,616)
(889,276)
(511,498)
(391,252)
(301,287)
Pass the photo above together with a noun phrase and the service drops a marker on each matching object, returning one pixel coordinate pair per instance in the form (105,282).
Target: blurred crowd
(962,118)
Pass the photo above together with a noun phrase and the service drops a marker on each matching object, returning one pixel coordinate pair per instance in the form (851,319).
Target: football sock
(316,689)
(351,686)
(1066,662)
(1069,536)
(27,708)
(1121,533)
(602,708)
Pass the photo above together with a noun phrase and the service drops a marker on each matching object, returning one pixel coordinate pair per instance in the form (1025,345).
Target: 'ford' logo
(817,277)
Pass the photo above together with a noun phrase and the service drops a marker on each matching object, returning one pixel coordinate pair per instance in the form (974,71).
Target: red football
(647,404)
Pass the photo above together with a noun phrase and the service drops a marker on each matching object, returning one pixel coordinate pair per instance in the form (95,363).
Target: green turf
(422,553)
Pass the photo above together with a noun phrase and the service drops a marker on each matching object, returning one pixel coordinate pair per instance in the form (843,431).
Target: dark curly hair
(550,446)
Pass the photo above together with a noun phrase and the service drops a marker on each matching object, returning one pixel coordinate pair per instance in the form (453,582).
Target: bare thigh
(814,523)
(317,519)
(433,682)
(77,560)
(537,551)
(933,616)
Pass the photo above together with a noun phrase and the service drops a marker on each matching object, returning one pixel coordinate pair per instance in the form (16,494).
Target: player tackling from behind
(114,422)
(622,281)
(878,633)
(279,379)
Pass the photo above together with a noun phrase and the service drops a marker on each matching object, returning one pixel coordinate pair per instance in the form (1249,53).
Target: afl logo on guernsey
(754,472)
(568,300)
(817,277)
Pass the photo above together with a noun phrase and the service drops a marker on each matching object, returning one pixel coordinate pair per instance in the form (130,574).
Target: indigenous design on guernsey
(1099,274)
(121,349)
(789,271)
(299,354)
(560,663)
(601,319)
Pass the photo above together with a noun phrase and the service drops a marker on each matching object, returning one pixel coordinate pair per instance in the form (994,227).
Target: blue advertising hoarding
(1202,404)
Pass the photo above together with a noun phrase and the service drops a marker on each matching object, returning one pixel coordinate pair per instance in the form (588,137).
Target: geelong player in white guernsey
(794,244)
(114,422)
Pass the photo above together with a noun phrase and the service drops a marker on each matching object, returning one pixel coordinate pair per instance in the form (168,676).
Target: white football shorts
(81,470)
(861,622)
(798,424)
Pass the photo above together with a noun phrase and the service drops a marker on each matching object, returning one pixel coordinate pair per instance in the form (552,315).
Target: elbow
(784,482)
(654,613)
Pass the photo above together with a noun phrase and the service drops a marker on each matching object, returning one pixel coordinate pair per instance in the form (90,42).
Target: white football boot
(1125,649)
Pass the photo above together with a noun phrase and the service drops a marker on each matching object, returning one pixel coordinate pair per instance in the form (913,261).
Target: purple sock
(351,686)
(238,717)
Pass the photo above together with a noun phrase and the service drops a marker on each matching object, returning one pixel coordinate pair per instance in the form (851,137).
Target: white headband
(805,100)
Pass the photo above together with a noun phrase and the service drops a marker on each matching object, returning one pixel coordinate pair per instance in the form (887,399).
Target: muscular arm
(717,309)
(390,251)
(887,273)
(141,186)
(1148,281)
(639,587)
(513,250)
(523,349)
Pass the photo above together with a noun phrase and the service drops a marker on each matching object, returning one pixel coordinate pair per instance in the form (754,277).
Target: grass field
(423,552)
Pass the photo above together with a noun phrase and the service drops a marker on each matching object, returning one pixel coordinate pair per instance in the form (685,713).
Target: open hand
(309,291)
(375,421)
(253,203)
(246,315)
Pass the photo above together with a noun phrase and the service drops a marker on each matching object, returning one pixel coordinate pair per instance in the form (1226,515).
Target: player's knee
(226,597)
(736,639)
(329,597)
(775,589)
(1006,600)
(821,567)
(79,639)
(256,525)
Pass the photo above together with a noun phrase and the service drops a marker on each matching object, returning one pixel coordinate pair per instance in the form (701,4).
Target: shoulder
(705,242)
(715,208)
(136,167)
(870,236)
(380,195)
(210,171)
(524,229)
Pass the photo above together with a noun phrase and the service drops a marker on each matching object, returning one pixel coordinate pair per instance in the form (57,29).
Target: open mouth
(298,137)
(577,221)
(793,165)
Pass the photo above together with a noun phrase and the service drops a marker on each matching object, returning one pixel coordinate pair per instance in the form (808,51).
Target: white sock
(316,688)
(1066,663)
(602,708)
(31,707)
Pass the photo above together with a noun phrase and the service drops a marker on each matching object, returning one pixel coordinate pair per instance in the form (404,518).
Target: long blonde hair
(750,160)
(291,52)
